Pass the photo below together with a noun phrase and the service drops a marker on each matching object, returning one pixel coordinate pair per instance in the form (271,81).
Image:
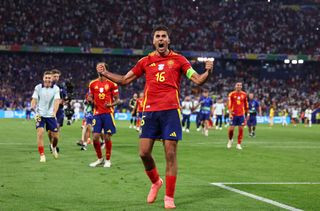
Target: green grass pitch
(68,183)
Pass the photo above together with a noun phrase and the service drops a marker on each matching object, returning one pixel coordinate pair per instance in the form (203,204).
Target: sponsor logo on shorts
(173,134)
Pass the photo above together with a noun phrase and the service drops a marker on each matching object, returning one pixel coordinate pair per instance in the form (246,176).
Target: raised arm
(119,79)
(200,79)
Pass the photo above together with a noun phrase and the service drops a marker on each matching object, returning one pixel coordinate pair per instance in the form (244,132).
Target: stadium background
(251,41)
(273,47)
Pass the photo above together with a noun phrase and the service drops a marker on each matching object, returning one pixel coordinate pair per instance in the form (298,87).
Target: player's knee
(144,155)
(170,155)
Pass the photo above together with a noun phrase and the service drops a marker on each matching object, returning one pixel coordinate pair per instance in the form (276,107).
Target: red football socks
(230,133)
(108,149)
(97,147)
(153,175)
(41,150)
(170,185)
(240,136)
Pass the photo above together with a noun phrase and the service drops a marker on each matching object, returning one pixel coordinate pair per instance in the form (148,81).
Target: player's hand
(101,67)
(37,117)
(209,65)
(230,117)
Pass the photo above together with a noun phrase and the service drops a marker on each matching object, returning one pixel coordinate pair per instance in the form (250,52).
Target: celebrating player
(254,107)
(104,95)
(132,105)
(45,102)
(163,69)
(238,106)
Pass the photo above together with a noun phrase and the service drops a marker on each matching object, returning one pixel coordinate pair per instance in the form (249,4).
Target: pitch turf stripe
(259,198)
(268,183)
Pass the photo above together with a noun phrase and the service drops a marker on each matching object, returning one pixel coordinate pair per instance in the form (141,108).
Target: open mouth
(161,45)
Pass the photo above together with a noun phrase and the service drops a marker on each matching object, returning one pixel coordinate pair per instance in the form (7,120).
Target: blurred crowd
(273,83)
(199,25)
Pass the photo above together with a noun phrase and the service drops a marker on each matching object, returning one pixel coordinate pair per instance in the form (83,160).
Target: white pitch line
(269,201)
(267,183)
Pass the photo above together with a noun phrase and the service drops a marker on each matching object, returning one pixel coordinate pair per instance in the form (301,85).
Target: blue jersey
(63,95)
(206,104)
(253,107)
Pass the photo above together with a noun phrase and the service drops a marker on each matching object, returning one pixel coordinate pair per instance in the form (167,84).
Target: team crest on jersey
(101,90)
(106,87)
(238,97)
(96,87)
(160,66)
(170,63)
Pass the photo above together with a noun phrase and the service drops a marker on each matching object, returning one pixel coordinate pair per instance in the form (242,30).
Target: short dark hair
(47,72)
(161,28)
(56,71)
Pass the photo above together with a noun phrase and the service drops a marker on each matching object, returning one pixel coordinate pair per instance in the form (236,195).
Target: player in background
(60,113)
(132,106)
(206,110)
(219,111)
(139,110)
(86,128)
(186,113)
(238,107)
(77,108)
(308,115)
(226,115)
(45,102)
(28,110)
(103,93)
(163,69)
(254,108)
(284,117)
(271,115)
(196,110)
(295,116)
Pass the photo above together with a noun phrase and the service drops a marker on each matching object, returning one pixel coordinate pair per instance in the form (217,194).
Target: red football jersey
(238,103)
(163,75)
(139,104)
(103,92)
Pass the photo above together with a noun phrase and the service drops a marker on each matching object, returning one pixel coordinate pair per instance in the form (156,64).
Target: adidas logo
(152,65)
(173,134)
(109,131)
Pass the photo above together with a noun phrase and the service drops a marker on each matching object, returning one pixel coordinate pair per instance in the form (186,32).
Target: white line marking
(268,183)
(269,201)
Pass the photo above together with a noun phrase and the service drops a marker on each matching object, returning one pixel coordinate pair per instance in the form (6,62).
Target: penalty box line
(259,198)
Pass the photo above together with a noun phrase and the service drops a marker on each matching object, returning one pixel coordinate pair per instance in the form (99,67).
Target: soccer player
(45,102)
(60,113)
(28,110)
(186,113)
(139,110)
(196,109)
(86,129)
(238,107)
(271,115)
(294,115)
(219,111)
(284,117)
(163,69)
(308,115)
(254,108)
(206,110)
(132,105)
(104,95)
